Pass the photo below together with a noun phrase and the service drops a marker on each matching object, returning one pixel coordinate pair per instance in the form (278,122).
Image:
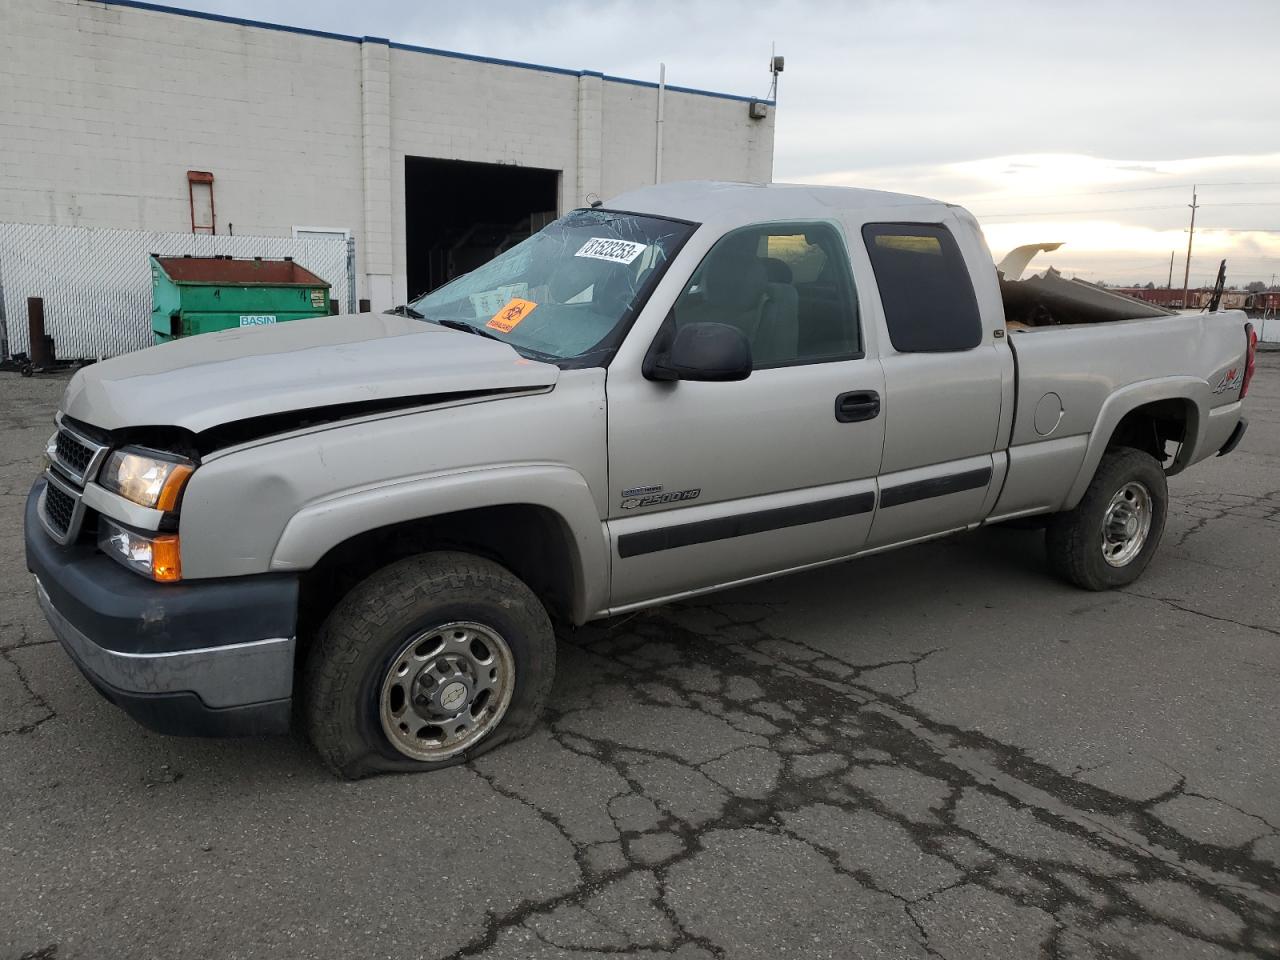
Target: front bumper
(199,658)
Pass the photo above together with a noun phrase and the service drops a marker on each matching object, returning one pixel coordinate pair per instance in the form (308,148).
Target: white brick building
(106,106)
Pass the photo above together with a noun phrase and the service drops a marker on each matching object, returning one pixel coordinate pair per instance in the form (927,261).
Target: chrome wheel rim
(445,690)
(1126,524)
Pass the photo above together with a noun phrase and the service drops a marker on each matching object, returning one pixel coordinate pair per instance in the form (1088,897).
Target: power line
(1166,206)
(1163,186)
(1072,213)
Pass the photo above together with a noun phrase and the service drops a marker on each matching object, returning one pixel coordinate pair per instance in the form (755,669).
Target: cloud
(920,94)
(1118,218)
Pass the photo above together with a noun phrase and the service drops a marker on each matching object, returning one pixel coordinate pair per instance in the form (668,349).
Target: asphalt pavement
(941,751)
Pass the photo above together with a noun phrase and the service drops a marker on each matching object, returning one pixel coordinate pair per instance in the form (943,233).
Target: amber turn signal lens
(166,559)
(156,556)
(172,489)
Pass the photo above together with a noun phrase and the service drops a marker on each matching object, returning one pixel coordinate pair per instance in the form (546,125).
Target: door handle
(857,405)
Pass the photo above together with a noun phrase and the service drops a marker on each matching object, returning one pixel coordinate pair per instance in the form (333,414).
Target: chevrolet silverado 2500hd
(697,386)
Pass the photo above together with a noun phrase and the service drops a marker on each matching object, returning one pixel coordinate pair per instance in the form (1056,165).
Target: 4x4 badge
(1230,380)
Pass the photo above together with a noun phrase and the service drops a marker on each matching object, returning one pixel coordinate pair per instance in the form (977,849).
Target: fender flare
(324,524)
(1123,402)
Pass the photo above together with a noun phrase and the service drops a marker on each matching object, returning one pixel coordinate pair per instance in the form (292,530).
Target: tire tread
(1069,535)
(332,670)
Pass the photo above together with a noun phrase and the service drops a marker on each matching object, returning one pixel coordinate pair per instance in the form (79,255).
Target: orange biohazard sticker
(509,317)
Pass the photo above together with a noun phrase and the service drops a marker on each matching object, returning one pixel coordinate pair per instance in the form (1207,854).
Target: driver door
(716,482)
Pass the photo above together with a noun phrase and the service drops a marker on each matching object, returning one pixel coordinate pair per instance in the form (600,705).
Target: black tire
(1074,539)
(353,650)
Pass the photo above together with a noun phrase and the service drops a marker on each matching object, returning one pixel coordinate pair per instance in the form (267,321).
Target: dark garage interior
(459,215)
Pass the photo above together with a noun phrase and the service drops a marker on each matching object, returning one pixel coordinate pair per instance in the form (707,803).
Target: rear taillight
(1250,357)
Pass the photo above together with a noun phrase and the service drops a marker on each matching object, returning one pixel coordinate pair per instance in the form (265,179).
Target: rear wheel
(429,662)
(1108,539)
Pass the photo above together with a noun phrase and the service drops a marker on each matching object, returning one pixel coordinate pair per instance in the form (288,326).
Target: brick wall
(104,107)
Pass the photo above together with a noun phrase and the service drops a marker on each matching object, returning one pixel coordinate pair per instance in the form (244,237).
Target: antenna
(776,65)
(662,95)
(758,109)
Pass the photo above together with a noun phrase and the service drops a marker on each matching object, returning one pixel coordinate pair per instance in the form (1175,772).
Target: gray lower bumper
(234,675)
(1237,435)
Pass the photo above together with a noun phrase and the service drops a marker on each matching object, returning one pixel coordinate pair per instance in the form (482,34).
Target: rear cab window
(928,298)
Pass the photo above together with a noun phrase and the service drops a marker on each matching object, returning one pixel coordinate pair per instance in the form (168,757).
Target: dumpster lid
(219,270)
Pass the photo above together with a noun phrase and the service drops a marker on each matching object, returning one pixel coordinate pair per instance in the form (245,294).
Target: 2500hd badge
(653,499)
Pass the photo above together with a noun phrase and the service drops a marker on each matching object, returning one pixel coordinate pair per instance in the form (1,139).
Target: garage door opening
(459,215)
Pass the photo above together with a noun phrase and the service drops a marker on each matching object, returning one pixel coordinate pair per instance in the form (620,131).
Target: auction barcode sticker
(616,251)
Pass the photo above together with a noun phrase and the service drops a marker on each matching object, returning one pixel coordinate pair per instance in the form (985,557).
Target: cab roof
(728,204)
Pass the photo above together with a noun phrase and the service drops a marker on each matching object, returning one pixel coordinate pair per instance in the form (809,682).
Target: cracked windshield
(568,291)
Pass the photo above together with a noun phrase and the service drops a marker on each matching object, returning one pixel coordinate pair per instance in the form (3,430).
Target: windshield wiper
(404,310)
(481,332)
(464,327)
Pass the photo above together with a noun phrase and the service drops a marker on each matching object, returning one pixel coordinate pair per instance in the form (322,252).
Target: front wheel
(1108,539)
(427,663)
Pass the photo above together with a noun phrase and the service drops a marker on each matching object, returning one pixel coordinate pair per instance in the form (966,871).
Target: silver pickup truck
(370,523)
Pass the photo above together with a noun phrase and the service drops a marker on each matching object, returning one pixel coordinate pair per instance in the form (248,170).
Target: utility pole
(1171,253)
(1186,276)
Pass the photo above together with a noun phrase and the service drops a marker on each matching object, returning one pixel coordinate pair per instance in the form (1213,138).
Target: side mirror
(700,351)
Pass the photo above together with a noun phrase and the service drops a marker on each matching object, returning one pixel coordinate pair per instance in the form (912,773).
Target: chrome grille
(74,459)
(72,453)
(58,509)
(75,455)
(61,508)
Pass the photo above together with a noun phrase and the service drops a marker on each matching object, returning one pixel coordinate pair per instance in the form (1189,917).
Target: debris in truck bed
(1050,299)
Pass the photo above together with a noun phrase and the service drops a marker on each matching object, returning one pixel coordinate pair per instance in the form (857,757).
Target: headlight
(146,477)
(152,555)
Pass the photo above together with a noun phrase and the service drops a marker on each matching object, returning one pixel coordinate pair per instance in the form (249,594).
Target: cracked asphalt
(937,752)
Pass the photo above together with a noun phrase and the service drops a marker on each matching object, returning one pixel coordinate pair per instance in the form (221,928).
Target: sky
(1077,121)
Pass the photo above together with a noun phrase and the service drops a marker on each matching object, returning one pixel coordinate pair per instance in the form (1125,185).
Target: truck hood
(217,378)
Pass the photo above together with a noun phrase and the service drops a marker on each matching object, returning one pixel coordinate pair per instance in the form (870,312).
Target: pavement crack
(1176,605)
(37,698)
(1078,809)
(1271,827)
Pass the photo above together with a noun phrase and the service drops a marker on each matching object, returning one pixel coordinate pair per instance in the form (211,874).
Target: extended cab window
(928,299)
(786,286)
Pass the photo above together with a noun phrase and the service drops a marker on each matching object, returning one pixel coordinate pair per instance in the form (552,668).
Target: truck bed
(1074,379)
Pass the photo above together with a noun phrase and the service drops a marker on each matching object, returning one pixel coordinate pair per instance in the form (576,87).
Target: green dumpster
(191,295)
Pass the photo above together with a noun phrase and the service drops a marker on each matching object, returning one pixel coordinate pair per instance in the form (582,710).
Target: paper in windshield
(615,251)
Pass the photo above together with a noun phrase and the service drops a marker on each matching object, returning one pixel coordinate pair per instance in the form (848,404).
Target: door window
(928,299)
(786,286)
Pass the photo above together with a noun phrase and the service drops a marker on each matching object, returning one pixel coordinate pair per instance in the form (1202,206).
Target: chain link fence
(96,283)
